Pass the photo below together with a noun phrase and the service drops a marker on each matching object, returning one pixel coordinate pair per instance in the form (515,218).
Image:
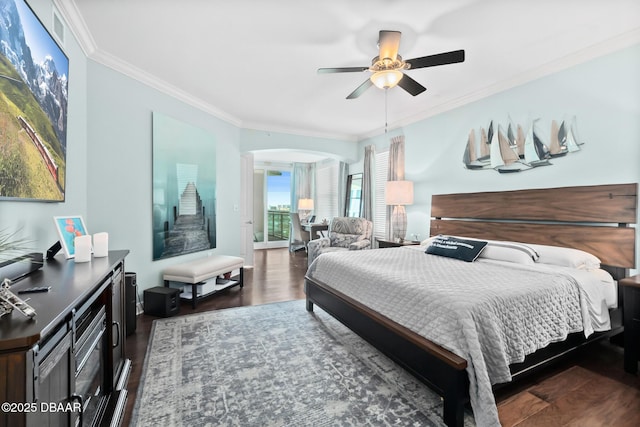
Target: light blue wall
(109,163)
(120,168)
(110,145)
(604,95)
(120,165)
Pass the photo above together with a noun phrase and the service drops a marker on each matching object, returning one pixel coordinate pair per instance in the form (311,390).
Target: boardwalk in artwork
(189,233)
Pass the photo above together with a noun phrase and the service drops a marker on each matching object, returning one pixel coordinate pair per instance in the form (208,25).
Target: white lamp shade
(305,204)
(399,193)
(386,79)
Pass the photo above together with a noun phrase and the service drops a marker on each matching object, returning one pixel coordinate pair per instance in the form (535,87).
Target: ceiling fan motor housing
(386,67)
(378,64)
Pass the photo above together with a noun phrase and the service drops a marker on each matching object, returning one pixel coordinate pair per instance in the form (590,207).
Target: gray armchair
(345,234)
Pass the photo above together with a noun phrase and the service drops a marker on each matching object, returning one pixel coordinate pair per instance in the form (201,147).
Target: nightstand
(631,306)
(384,243)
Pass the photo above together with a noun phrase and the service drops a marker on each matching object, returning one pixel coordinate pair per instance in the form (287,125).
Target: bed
(595,219)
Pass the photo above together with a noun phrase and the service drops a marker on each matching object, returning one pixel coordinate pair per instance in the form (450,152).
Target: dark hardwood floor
(588,388)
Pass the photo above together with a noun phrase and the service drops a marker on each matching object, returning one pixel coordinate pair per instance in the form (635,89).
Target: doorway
(271,206)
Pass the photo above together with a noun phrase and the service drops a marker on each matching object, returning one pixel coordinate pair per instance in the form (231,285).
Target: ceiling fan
(387,66)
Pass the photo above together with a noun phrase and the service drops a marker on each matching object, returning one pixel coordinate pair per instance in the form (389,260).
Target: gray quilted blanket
(490,313)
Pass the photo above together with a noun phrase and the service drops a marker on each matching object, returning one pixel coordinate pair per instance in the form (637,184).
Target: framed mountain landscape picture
(33,107)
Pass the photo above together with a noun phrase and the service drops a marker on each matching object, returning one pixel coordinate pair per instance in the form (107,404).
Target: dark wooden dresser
(67,366)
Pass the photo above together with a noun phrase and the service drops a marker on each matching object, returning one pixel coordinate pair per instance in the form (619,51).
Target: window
(271,207)
(379,206)
(326,191)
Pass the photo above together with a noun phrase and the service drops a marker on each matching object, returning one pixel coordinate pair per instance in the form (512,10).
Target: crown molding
(299,132)
(592,52)
(151,80)
(77,25)
(79,29)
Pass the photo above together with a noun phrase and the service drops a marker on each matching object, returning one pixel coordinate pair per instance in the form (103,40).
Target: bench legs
(194,288)
(194,295)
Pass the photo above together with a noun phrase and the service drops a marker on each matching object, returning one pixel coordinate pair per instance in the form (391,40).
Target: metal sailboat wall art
(516,149)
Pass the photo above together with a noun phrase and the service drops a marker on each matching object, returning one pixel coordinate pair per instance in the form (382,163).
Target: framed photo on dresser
(69,227)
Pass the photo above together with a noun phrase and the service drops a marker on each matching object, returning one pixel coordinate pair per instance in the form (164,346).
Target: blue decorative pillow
(453,247)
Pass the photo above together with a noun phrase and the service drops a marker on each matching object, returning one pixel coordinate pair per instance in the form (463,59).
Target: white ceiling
(253,62)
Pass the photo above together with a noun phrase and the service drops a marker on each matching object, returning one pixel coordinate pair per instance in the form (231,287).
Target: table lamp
(398,194)
(305,206)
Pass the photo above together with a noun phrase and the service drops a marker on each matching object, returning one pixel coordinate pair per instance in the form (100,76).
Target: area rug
(274,365)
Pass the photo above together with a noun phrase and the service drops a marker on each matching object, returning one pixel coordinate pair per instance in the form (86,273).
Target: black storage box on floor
(130,297)
(162,301)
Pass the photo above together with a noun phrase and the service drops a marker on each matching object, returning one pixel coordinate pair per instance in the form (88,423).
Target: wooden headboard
(595,218)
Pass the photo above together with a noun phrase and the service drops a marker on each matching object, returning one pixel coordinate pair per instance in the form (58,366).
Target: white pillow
(566,257)
(510,253)
(521,247)
(427,242)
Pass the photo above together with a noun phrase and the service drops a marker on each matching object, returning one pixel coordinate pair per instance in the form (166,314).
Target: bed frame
(592,218)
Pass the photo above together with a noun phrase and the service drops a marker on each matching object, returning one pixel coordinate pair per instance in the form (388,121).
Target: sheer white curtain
(303,183)
(303,180)
(368,180)
(395,172)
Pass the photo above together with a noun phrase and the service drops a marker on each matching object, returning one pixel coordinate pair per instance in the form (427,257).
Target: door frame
(246,208)
(283,167)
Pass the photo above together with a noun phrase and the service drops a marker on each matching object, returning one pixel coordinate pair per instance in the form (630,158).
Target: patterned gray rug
(274,365)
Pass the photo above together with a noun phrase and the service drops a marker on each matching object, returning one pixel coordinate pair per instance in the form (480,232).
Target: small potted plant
(11,245)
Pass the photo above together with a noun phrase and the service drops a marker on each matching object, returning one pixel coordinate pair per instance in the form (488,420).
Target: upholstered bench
(197,272)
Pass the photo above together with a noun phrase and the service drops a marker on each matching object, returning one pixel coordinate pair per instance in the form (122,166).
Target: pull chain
(385,109)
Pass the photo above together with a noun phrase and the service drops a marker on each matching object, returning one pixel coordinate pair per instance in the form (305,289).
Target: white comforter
(490,313)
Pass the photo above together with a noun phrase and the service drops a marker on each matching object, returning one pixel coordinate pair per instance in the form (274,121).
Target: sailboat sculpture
(484,147)
(535,151)
(515,135)
(517,150)
(470,157)
(555,148)
(520,141)
(567,135)
(504,158)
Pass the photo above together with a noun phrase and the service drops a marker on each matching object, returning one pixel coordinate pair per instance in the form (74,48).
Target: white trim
(70,13)
(79,29)
(592,52)
(300,132)
(142,76)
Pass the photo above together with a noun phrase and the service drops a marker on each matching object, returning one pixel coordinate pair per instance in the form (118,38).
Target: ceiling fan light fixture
(386,79)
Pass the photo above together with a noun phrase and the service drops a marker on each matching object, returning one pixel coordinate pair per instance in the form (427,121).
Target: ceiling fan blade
(389,43)
(438,59)
(411,86)
(360,89)
(342,70)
